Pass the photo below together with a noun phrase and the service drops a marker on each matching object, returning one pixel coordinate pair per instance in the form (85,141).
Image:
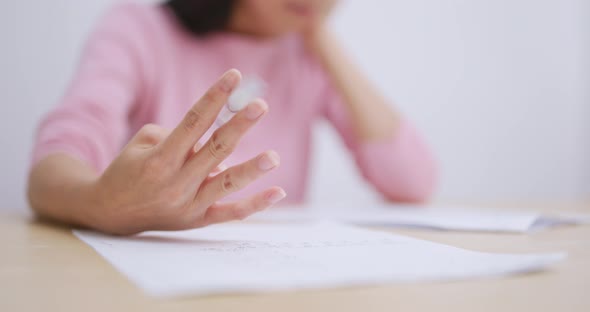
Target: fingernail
(230,80)
(268,161)
(219,169)
(256,109)
(197,147)
(276,197)
(222,167)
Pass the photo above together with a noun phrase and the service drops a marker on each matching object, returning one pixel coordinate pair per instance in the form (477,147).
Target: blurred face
(276,17)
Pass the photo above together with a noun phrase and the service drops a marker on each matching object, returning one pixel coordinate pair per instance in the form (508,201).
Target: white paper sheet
(235,258)
(439,218)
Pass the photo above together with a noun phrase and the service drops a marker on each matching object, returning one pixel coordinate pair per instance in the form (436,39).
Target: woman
(142,68)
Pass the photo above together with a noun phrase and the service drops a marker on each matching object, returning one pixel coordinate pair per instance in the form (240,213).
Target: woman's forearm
(372,116)
(61,188)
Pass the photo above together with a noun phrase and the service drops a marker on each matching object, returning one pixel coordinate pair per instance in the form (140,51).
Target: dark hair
(201,17)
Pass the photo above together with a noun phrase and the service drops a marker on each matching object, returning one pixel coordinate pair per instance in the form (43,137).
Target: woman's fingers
(223,141)
(221,167)
(235,178)
(223,212)
(201,116)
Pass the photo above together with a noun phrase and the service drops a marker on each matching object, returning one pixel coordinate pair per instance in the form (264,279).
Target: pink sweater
(139,66)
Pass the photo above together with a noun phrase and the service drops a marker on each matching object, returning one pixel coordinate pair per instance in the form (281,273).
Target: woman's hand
(162,180)
(372,117)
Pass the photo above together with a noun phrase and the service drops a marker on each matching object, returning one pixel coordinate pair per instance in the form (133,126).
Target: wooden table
(44,268)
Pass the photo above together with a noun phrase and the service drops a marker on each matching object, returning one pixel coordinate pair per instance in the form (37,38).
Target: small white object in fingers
(249,89)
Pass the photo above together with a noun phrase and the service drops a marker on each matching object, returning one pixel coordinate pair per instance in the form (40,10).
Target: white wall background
(501,88)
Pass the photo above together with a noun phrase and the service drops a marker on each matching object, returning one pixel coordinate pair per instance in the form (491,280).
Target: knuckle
(228,184)
(192,119)
(218,147)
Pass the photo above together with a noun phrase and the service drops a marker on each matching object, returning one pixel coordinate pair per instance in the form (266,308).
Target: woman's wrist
(62,188)
(91,204)
(317,41)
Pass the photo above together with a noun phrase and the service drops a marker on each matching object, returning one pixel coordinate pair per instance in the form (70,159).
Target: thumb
(150,135)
